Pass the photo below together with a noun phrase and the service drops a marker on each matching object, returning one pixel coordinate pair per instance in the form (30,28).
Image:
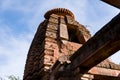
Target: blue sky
(19,20)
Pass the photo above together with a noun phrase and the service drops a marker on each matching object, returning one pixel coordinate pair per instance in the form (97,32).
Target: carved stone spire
(57,38)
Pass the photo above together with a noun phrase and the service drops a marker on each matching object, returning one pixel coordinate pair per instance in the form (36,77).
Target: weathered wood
(115,3)
(102,45)
(101,77)
(104,72)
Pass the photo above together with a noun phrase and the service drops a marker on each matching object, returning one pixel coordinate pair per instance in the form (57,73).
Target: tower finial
(59,11)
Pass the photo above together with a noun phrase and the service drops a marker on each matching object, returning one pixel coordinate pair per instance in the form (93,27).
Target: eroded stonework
(58,37)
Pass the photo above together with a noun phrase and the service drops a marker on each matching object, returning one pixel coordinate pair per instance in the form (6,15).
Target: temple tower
(56,39)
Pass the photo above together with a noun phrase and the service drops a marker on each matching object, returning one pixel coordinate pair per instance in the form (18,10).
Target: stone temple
(63,49)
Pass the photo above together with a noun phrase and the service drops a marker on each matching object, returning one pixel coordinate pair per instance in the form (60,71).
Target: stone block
(52,25)
(48,39)
(62,20)
(70,20)
(63,32)
(51,34)
(54,20)
(49,52)
(51,30)
(48,58)
(54,16)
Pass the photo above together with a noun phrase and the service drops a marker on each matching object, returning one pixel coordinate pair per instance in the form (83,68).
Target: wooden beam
(94,76)
(102,45)
(104,77)
(104,72)
(115,3)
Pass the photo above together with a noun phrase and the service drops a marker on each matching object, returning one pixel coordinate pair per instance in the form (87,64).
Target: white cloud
(13,52)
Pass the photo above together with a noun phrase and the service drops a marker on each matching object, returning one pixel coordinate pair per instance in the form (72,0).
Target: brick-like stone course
(57,38)
(51,43)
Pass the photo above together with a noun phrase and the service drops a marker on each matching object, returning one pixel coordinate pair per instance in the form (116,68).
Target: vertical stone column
(63,29)
(51,47)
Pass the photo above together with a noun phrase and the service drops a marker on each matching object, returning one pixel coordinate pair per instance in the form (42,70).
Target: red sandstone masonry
(51,43)
(58,37)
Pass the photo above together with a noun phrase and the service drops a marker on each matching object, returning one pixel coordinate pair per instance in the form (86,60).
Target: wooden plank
(104,77)
(102,45)
(104,72)
(115,3)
